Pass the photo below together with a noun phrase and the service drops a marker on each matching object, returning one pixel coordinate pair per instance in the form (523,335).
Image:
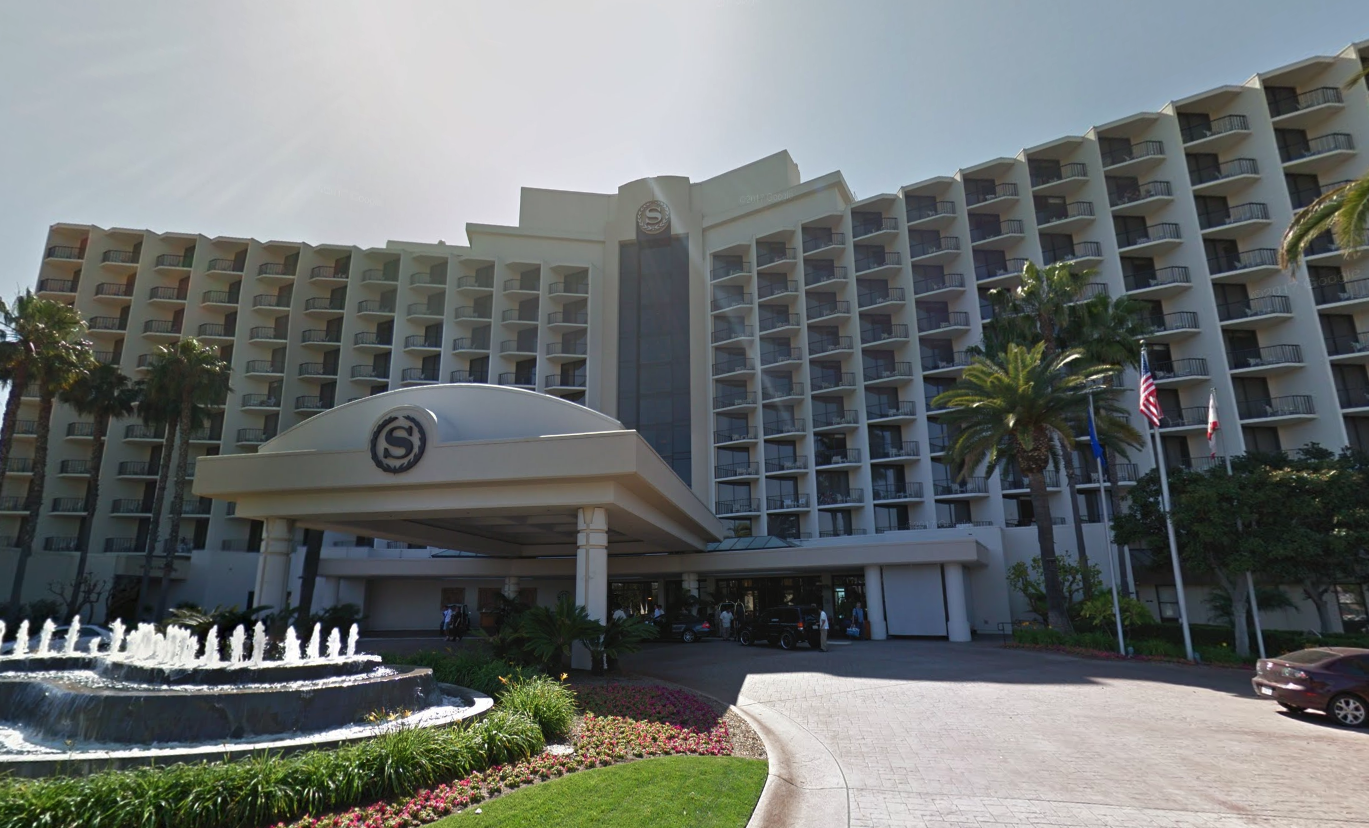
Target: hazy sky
(357,122)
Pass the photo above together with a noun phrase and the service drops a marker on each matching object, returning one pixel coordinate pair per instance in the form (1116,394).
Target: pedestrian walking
(822,630)
(446,625)
(725,621)
(858,620)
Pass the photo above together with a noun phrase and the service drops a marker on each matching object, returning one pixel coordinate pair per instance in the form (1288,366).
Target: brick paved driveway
(922,733)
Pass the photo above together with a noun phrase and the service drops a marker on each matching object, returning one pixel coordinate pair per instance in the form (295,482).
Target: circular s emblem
(653,217)
(398,442)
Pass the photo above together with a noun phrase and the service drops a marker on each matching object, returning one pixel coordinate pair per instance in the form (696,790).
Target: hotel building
(777,341)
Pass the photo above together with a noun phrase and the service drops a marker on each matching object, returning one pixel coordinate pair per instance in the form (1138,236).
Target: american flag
(1150,399)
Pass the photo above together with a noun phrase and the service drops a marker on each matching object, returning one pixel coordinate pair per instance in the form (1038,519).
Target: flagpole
(1107,527)
(1169,523)
(1249,575)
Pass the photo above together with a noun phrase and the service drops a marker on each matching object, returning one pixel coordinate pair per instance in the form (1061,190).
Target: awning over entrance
(478,468)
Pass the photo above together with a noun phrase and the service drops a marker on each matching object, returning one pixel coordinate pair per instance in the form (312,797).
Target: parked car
(785,626)
(58,643)
(682,627)
(1330,679)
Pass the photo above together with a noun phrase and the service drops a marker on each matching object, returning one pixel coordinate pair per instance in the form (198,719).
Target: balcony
(960,489)
(422,342)
(1001,236)
(940,251)
(828,310)
(68,506)
(728,272)
(470,314)
(723,402)
(1169,326)
(317,370)
(830,345)
(774,258)
(881,298)
(162,329)
(1084,254)
(790,426)
(427,282)
(1065,218)
(732,333)
(423,310)
(254,436)
(1148,198)
(730,367)
(735,470)
(1180,372)
(264,334)
(74,468)
(1134,157)
(893,373)
(896,451)
(308,403)
(568,288)
(222,300)
(66,253)
(61,544)
(1149,241)
(996,275)
(80,431)
(945,363)
(944,284)
(566,382)
(328,274)
(375,309)
(265,402)
(1306,109)
(1244,266)
(886,334)
(275,271)
(1292,408)
(478,283)
(866,228)
(822,276)
(787,503)
(514,347)
(525,287)
(823,242)
(999,194)
(1271,359)
(786,465)
(836,420)
(119,257)
(1013,481)
(769,290)
(418,376)
(900,411)
(1124,473)
(379,278)
(833,382)
(56,286)
(779,356)
(19,465)
(734,435)
(787,391)
(117,546)
(778,322)
(518,379)
(214,330)
(737,507)
(371,374)
(223,267)
(878,261)
(264,368)
(1069,177)
(1218,134)
(562,350)
(325,307)
(1225,178)
(1240,220)
(130,506)
(823,458)
(172,261)
(1158,283)
(937,214)
(889,494)
(1318,154)
(838,497)
(1258,312)
(319,337)
(481,376)
(949,322)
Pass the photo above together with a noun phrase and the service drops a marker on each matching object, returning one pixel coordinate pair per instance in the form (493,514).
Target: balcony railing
(736,470)
(935,283)
(80,429)
(1180,369)
(61,544)
(822,310)
(908,491)
(255,435)
(1220,126)
(775,322)
(768,289)
(1176,321)
(868,227)
(791,425)
(730,333)
(999,191)
(419,375)
(1268,355)
(161,326)
(1143,149)
(312,402)
(1074,170)
(214,329)
(325,303)
(782,502)
(827,345)
(518,378)
(820,276)
(276,269)
(60,251)
(1075,209)
(1014,480)
(732,366)
(940,208)
(1150,189)
(130,506)
(1166,231)
(1321,145)
(328,272)
(74,467)
(1357,397)
(723,271)
(831,382)
(460,375)
(422,341)
(942,361)
(569,288)
(369,372)
(734,435)
(938,321)
(269,400)
(839,497)
(780,465)
(811,243)
(119,257)
(770,393)
(1258,306)
(577,348)
(484,282)
(880,297)
(775,356)
(428,279)
(881,411)
(320,335)
(970,485)
(1173,275)
(267,333)
(1007,227)
(773,255)
(893,450)
(1231,169)
(1293,405)
(834,419)
(1344,345)
(1313,97)
(737,507)
(58,286)
(467,312)
(1074,252)
(122,545)
(1244,260)
(1009,267)
(264,366)
(19,465)
(317,369)
(874,334)
(68,505)
(1253,211)
(888,258)
(733,400)
(941,245)
(563,318)
(223,266)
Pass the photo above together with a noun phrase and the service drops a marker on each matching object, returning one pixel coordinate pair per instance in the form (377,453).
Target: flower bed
(621,723)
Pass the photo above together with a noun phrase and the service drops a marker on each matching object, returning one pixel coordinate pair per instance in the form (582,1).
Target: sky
(355,123)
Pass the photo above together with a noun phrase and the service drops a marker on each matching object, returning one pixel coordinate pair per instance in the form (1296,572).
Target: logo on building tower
(398,442)
(653,217)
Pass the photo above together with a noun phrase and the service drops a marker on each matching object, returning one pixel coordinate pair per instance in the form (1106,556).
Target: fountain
(159,695)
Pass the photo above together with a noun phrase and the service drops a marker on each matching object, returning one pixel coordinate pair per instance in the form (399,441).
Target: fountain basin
(47,663)
(58,710)
(229,675)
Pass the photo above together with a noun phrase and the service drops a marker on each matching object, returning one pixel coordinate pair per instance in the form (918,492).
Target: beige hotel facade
(775,341)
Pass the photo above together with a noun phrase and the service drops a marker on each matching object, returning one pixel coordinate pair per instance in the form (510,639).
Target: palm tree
(200,378)
(157,409)
(1342,212)
(104,393)
(1011,408)
(45,343)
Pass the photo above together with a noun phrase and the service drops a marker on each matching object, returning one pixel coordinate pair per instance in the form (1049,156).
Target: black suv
(785,626)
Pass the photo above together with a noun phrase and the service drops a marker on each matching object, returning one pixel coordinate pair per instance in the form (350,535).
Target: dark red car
(1330,679)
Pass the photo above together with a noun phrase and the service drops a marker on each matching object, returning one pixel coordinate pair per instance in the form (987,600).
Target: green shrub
(1156,647)
(1028,635)
(506,736)
(474,670)
(544,700)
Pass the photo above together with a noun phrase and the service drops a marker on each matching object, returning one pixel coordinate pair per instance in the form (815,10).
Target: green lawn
(695,791)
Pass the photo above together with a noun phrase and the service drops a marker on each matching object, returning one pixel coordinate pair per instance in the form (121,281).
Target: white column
(874,603)
(957,615)
(691,583)
(511,587)
(273,565)
(591,572)
(325,594)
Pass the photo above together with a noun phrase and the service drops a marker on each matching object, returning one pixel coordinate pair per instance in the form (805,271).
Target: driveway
(924,733)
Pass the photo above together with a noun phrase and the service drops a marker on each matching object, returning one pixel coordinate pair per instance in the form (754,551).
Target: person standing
(619,615)
(822,630)
(858,620)
(446,627)
(725,621)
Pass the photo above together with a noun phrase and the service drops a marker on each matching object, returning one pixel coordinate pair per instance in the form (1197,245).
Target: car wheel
(689,637)
(787,641)
(1348,710)
(746,638)
(1292,708)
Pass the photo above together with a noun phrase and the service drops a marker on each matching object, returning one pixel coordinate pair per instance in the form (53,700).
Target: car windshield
(1307,656)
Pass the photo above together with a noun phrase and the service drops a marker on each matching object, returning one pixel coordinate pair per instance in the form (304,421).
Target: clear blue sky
(356,123)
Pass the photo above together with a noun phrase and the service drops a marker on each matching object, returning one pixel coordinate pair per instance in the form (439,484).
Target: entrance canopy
(478,468)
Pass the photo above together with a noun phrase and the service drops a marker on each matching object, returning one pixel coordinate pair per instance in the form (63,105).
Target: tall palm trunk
(1072,486)
(1057,608)
(1115,509)
(177,504)
(97,456)
(33,502)
(11,418)
(154,525)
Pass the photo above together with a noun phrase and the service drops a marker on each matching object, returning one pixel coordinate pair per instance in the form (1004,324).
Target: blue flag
(1093,437)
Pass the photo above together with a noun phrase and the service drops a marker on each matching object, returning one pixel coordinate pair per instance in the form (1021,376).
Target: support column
(511,587)
(591,572)
(273,565)
(957,615)
(874,603)
(691,583)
